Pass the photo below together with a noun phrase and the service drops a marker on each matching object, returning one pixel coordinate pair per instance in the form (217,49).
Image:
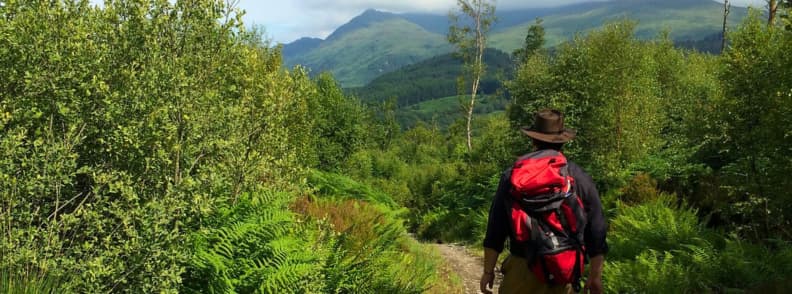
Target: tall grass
(28,282)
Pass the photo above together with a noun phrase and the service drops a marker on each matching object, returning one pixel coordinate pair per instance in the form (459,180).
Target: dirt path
(467,266)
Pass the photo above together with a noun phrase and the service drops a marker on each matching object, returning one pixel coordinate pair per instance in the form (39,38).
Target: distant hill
(444,111)
(372,44)
(710,44)
(301,46)
(684,19)
(376,42)
(433,78)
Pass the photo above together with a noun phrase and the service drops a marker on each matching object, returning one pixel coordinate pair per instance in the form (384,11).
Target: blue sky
(287,20)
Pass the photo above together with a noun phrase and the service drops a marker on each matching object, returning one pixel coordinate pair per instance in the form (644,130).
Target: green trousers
(518,279)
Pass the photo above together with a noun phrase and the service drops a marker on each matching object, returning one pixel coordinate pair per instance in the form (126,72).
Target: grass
(15,282)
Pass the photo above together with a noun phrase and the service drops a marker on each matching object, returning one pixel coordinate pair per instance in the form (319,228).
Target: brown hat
(549,127)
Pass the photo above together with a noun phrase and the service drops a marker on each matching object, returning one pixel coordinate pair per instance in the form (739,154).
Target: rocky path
(467,266)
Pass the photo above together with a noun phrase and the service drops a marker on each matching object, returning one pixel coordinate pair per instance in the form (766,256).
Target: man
(548,133)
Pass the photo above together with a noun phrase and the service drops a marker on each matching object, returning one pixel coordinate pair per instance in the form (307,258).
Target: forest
(159,146)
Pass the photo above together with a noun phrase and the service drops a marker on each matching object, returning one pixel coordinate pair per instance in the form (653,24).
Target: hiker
(550,211)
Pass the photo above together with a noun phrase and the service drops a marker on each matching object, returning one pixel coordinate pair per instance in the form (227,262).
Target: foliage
(534,41)
(432,78)
(659,222)
(339,124)
(755,140)
(335,184)
(660,247)
(444,112)
(469,36)
(631,101)
(123,126)
(26,282)
(255,245)
(153,146)
(372,253)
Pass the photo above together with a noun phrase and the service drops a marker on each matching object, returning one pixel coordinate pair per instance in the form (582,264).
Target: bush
(660,223)
(122,127)
(641,189)
(371,252)
(257,246)
(661,247)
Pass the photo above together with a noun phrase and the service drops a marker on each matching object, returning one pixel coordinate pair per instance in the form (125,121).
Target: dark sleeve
(597,227)
(497,224)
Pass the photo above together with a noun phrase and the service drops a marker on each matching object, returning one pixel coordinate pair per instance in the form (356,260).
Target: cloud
(287,20)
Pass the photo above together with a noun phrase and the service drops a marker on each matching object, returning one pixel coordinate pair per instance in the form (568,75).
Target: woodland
(157,146)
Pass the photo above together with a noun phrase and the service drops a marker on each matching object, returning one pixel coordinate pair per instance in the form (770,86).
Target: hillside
(443,112)
(376,42)
(301,46)
(684,19)
(432,78)
(365,50)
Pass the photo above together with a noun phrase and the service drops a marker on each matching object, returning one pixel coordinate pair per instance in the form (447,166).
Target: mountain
(376,42)
(367,18)
(684,19)
(301,46)
(371,44)
(432,78)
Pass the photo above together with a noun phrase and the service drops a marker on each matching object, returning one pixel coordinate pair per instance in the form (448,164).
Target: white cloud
(287,20)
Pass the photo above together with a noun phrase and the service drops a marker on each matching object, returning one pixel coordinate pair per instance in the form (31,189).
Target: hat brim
(565,136)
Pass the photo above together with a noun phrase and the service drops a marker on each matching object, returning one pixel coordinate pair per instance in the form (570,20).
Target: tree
(757,82)
(772,9)
(726,10)
(534,41)
(471,40)
(786,7)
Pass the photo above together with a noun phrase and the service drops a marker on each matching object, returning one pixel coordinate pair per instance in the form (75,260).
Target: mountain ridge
(407,38)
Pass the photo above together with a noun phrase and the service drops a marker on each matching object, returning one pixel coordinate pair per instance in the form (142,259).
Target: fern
(660,247)
(256,246)
(659,224)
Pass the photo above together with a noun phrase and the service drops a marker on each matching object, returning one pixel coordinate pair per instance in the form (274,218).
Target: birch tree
(468,33)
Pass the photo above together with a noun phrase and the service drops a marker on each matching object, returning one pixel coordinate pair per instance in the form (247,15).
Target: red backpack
(547,217)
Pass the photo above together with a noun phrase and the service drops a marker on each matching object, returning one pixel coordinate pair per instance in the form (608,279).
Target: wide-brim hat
(549,127)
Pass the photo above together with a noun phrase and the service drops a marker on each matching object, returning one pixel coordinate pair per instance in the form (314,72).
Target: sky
(288,20)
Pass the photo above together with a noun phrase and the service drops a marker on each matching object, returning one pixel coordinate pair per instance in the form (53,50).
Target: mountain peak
(366,18)
(372,11)
(301,46)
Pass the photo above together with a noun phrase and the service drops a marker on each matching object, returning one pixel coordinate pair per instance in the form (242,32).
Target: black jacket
(498,227)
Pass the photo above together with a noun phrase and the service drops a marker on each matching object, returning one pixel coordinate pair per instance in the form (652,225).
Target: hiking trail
(467,266)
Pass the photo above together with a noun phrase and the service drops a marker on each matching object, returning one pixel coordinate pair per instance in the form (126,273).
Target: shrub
(641,189)
(255,245)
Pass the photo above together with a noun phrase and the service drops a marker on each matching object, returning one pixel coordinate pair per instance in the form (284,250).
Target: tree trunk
(478,68)
(726,8)
(772,7)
